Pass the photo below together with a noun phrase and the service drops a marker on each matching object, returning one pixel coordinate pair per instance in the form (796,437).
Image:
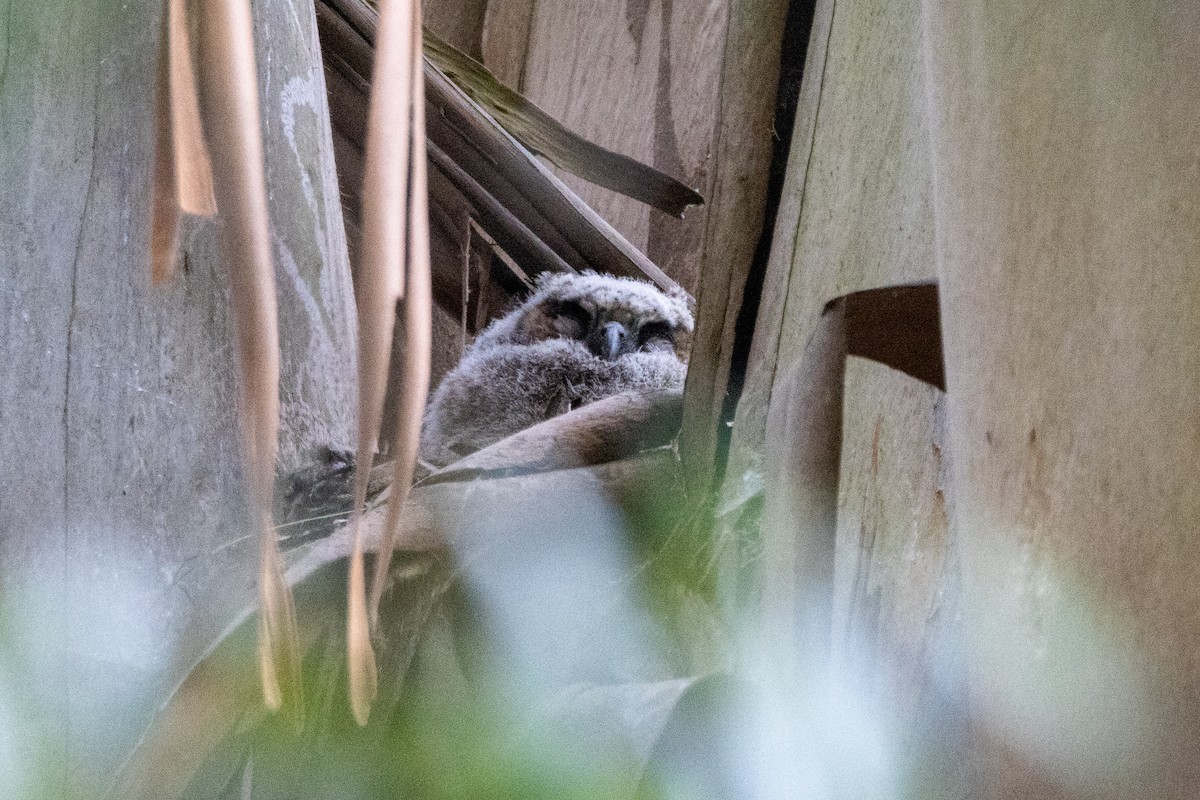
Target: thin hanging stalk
(229,92)
(381,284)
(182,167)
(164,208)
(418,327)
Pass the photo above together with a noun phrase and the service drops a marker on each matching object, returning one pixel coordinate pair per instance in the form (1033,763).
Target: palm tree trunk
(121,491)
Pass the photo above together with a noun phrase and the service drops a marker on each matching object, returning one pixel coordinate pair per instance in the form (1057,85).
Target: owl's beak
(613,342)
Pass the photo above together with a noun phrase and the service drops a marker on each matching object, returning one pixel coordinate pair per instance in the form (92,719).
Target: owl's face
(608,331)
(612,317)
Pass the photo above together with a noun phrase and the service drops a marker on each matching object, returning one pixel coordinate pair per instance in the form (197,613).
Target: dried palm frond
(229,87)
(232,182)
(394,265)
(418,327)
(517,199)
(545,136)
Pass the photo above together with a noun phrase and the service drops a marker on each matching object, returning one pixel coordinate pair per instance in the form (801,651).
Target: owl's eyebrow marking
(575,310)
(655,328)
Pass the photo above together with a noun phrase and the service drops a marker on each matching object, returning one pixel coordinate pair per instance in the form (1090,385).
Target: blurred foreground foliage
(565,645)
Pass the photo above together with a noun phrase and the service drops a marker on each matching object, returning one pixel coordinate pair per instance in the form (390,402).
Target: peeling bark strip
(164,213)
(418,324)
(899,326)
(229,92)
(395,263)
(193,165)
(607,430)
(182,167)
(380,284)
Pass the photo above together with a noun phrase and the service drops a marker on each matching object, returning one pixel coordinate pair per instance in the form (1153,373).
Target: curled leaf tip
(278,640)
(363,675)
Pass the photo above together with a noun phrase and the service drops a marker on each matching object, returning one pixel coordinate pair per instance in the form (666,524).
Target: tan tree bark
(616,73)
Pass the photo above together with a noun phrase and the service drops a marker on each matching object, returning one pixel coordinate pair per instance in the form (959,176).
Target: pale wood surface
(1068,222)
(740,162)
(117,407)
(855,214)
(1035,529)
(459,22)
(505,39)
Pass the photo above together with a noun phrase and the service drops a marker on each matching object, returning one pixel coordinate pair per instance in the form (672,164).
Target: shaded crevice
(793,52)
(803,196)
(666,142)
(636,12)
(533,15)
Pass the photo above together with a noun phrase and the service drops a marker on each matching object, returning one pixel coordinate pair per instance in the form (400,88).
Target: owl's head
(610,316)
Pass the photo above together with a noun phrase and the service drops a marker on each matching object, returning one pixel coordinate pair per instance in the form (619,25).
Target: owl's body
(577,339)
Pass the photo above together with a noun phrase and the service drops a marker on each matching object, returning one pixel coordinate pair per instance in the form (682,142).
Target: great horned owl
(578,338)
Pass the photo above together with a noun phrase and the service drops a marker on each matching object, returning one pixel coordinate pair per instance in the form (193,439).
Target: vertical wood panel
(1068,241)
(506,27)
(856,213)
